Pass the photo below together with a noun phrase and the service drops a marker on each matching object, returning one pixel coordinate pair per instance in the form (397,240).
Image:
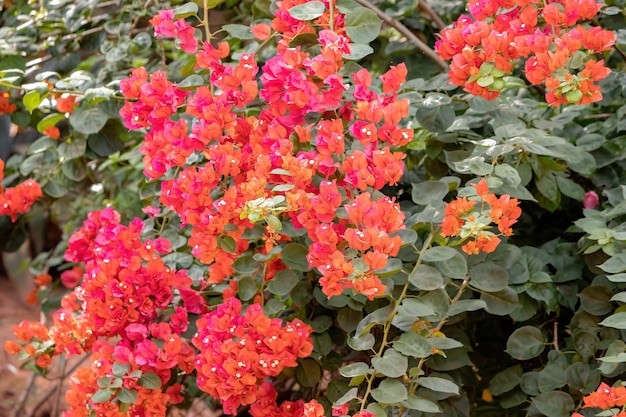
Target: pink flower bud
(591,200)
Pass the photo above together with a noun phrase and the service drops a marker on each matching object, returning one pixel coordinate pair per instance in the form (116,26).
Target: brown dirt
(13,381)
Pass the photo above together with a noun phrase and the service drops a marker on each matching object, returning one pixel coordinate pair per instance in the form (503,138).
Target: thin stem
(428,9)
(425,49)
(57,401)
(56,386)
(21,402)
(331,8)
(205,20)
(383,345)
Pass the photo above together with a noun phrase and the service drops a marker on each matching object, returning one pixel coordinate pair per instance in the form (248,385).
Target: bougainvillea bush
(322,232)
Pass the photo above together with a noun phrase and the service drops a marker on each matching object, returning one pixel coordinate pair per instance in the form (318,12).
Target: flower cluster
(557,48)
(266,406)
(606,398)
(463,220)
(126,291)
(6,107)
(165,25)
(267,168)
(238,352)
(19,199)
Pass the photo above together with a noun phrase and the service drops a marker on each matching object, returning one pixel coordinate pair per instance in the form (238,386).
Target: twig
(57,386)
(57,401)
(24,395)
(428,9)
(620,52)
(425,49)
(555,338)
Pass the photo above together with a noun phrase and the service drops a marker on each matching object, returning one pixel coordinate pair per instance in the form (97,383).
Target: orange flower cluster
(483,51)
(19,199)
(463,220)
(606,397)
(238,352)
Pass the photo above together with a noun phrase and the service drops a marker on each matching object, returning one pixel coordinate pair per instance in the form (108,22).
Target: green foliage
(538,323)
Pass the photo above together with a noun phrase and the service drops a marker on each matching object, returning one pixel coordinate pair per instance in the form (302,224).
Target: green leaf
(354,369)
(362,25)
(427,192)
(348,319)
(309,373)
(358,51)
(104,382)
(125,395)
(192,82)
(582,378)
(595,300)
(245,264)
(570,188)
(455,267)
(88,120)
(228,243)
(185,10)
(74,169)
(345,6)
(283,282)
(120,369)
(439,384)
(525,343)
(32,100)
(506,380)
(49,120)
(347,397)
(364,342)
(390,391)
(150,380)
(488,276)
(617,321)
(421,403)
(435,112)
(551,377)
(72,148)
(307,11)
(247,288)
(101,396)
(615,264)
(107,141)
(238,31)
(500,303)
(294,256)
(426,277)
(554,404)
(462,306)
(392,364)
(413,344)
(438,253)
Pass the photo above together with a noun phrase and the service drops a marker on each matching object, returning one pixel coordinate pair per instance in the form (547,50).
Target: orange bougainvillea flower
(606,397)
(52,131)
(66,103)
(44,361)
(42,280)
(261,31)
(11,347)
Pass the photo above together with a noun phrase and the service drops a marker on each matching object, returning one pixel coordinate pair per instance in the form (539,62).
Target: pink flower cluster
(484,50)
(238,352)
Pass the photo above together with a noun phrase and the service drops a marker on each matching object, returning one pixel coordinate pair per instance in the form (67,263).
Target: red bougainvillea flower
(65,103)
(6,107)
